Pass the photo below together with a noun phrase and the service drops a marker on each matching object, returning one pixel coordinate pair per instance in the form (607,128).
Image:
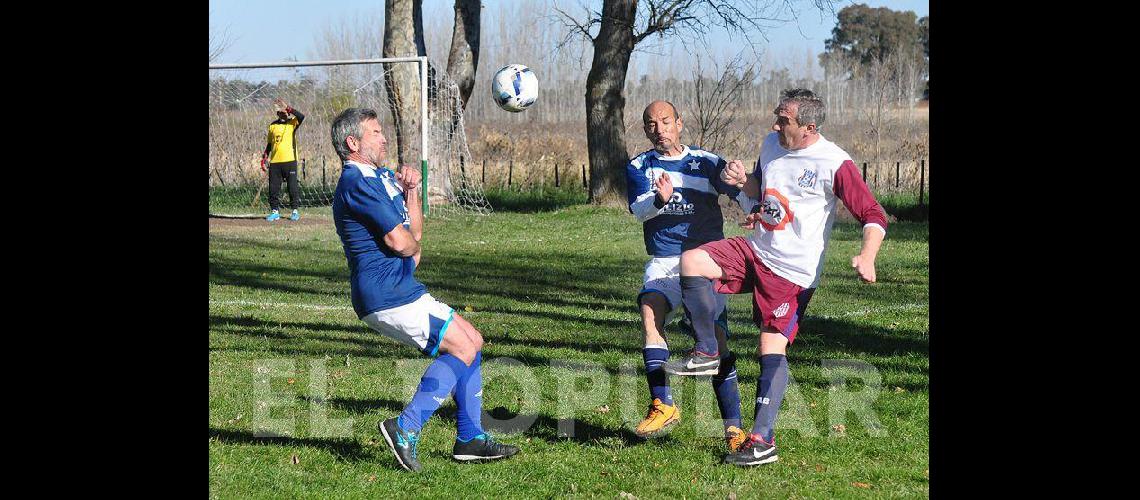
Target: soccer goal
(241,109)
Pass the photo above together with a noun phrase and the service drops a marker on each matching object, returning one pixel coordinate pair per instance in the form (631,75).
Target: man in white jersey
(674,190)
(799,178)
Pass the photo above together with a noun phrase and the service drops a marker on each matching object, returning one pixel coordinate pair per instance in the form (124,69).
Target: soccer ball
(514,88)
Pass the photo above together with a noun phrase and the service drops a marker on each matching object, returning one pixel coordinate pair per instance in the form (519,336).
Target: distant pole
(483,180)
(556,174)
(324,182)
(864,172)
(921,180)
(584,176)
(302,169)
(896,174)
(510,171)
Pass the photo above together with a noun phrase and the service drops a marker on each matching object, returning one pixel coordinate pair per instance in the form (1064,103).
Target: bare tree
(219,42)
(621,25)
(716,102)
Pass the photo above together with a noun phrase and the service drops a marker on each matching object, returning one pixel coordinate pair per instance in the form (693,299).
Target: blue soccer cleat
(403,444)
(296,215)
(273,216)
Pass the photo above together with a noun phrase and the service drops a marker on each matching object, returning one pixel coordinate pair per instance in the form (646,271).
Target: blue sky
(274,30)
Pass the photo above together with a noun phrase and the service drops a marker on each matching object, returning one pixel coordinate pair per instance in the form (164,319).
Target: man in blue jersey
(380,222)
(674,189)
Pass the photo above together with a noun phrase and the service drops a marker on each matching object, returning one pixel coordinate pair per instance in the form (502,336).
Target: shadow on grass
(499,420)
(346,449)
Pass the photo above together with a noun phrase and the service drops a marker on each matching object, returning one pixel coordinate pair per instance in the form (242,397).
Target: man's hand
(865,267)
(733,174)
(279,103)
(408,177)
(750,221)
(264,160)
(664,185)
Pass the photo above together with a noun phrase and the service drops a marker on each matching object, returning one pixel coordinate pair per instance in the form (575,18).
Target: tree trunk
(403,37)
(605,102)
(463,60)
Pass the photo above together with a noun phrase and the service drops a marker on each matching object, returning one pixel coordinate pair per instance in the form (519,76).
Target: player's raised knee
(695,262)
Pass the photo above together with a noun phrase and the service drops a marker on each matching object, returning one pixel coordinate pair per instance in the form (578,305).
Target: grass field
(549,289)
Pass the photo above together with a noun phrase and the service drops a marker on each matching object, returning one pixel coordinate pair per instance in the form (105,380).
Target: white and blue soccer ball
(514,88)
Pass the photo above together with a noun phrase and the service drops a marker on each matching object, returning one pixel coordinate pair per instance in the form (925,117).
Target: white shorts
(420,324)
(663,275)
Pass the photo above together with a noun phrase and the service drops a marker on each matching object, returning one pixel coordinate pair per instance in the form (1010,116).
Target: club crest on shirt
(807,179)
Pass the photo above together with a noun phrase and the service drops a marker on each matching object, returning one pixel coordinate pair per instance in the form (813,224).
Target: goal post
(240,112)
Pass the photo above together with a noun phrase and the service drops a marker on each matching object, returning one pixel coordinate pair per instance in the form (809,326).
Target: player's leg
(663,413)
(471,441)
(726,386)
(423,324)
(781,304)
(275,177)
(294,190)
(719,260)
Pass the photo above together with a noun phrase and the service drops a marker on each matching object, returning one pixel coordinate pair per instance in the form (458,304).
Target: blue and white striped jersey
(692,215)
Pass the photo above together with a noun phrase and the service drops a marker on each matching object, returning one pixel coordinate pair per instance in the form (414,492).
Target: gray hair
(346,124)
(809,107)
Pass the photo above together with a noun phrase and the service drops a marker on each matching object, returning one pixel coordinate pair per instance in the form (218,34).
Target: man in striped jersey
(673,190)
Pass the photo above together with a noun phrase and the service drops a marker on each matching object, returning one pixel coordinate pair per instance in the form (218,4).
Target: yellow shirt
(282,138)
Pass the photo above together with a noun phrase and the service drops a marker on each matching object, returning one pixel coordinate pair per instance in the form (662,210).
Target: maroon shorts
(776,302)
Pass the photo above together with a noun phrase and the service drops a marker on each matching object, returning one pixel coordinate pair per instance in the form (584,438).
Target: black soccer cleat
(482,447)
(694,363)
(754,451)
(403,444)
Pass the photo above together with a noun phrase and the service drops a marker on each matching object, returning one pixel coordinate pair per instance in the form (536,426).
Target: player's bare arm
(864,263)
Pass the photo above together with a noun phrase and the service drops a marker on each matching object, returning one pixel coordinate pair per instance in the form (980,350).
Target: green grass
(905,206)
(545,288)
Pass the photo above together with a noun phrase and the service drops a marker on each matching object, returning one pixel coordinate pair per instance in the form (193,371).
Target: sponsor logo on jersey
(775,214)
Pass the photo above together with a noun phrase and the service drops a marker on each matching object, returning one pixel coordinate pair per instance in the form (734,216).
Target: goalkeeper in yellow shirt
(281,156)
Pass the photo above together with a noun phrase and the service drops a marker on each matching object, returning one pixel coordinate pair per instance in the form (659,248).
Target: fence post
(324,182)
(510,171)
(921,180)
(302,168)
(584,186)
(896,174)
(483,180)
(555,174)
(864,172)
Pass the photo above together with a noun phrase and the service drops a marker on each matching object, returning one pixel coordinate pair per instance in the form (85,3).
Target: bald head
(659,107)
(663,127)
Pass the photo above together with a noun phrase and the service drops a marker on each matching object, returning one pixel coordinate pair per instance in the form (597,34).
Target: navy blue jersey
(369,204)
(692,216)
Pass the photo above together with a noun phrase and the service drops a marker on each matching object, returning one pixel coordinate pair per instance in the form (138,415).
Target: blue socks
(699,298)
(655,355)
(469,400)
(727,391)
(770,393)
(435,386)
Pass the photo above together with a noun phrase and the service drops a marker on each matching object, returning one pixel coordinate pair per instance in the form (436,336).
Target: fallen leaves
(603,409)
(861,485)
(295,459)
(626,496)
(839,428)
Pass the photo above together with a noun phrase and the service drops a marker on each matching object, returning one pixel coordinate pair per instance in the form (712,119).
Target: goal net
(241,109)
